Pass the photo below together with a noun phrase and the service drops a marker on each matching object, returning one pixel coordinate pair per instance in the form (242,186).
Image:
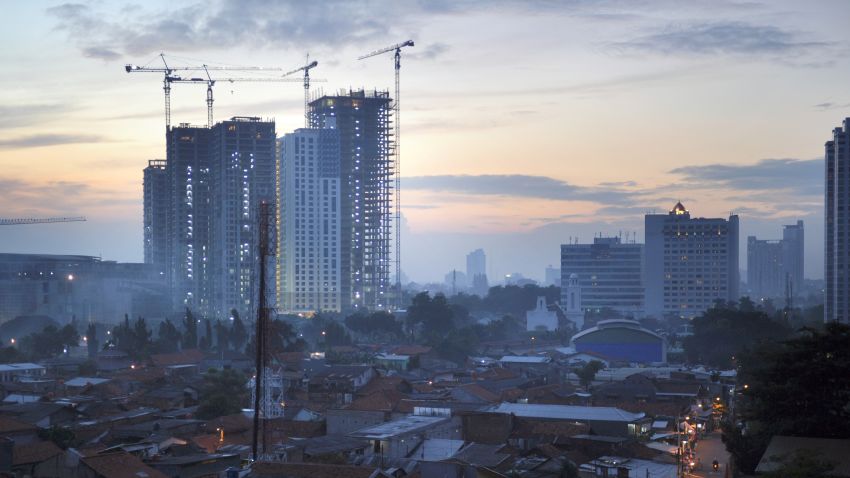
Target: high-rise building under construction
(367,187)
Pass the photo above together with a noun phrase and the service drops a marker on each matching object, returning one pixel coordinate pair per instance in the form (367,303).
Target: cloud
(721,38)
(829,105)
(16,116)
(100,53)
(23,198)
(430,52)
(516,185)
(802,177)
(40,140)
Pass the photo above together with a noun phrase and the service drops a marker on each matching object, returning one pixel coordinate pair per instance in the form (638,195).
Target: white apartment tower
(309,221)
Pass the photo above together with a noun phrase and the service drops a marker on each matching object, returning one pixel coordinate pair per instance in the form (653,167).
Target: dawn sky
(524,123)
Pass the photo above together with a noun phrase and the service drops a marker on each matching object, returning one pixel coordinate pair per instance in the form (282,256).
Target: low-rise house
(41,458)
(392,361)
(40,414)
(14,372)
(21,432)
(398,438)
(629,468)
(198,465)
(112,465)
(602,420)
(337,384)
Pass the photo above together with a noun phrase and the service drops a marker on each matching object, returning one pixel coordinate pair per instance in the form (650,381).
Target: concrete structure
(622,339)
(65,286)
(609,273)
(366,169)
(155,213)
(552,276)
(243,175)
(837,225)
(602,420)
(775,268)
(541,318)
(396,439)
(690,263)
(476,272)
(572,302)
(308,274)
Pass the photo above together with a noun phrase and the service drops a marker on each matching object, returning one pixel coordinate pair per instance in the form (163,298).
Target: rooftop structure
(566,412)
(398,428)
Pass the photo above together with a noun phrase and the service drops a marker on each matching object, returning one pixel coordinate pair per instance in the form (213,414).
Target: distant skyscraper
(363,120)
(837,225)
(553,276)
(309,259)
(476,272)
(765,272)
(188,171)
(775,268)
(689,262)
(243,174)
(609,274)
(156,215)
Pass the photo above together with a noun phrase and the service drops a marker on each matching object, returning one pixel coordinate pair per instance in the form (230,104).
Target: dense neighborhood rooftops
(566,412)
(524,359)
(397,428)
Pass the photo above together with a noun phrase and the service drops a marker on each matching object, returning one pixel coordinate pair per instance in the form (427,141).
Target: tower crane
(397,112)
(37,220)
(169,77)
(306,69)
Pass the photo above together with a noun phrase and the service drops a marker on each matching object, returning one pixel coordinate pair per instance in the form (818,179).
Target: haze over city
(525,123)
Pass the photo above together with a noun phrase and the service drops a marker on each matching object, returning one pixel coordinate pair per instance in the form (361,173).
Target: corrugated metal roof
(566,412)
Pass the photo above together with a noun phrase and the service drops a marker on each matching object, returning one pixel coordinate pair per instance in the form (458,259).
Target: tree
(224,392)
(61,437)
(432,315)
(799,387)
(221,341)
(378,324)
(457,344)
(802,464)
(207,340)
(726,330)
(238,334)
(280,337)
(587,373)
(141,340)
(569,470)
(190,330)
(168,338)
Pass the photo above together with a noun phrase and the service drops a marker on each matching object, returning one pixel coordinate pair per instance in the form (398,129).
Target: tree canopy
(224,392)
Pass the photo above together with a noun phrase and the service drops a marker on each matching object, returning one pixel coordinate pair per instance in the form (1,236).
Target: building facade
(309,222)
(476,272)
(609,273)
(837,225)
(367,171)
(155,218)
(775,267)
(243,163)
(690,263)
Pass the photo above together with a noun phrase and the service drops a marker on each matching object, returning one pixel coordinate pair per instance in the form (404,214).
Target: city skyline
(610,110)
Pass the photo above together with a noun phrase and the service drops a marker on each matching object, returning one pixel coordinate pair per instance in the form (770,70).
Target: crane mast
(306,69)
(397,113)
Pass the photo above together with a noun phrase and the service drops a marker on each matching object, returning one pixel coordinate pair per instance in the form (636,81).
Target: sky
(524,124)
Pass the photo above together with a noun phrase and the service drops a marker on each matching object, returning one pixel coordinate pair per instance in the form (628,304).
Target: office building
(609,274)
(367,187)
(243,175)
(155,218)
(837,225)
(476,272)
(690,263)
(552,277)
(308,273)
(775,267)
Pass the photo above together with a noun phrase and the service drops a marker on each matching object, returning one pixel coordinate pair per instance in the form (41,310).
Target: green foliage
(379,325)
(503,329)
(51,341)
(569,470)
(587,373)
(457,344)
(88,368)
(726,330)
(10,354)
(224,393)
(238,334)
(168,337)
(799,387)
(61,437)
(133,339)
(190,330)
(802,464)
(280,337)
(516,300)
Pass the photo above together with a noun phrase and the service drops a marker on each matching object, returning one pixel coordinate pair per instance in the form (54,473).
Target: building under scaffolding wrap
(367,187)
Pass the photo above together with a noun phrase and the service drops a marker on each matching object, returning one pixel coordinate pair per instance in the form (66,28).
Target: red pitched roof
(480,392)
(411,350)
(34,453)
(188,356)
(120,465)
(10,425)
(385,401)
(310,470)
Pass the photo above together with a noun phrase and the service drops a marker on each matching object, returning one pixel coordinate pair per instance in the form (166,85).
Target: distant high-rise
(156,215)
(367,170)
(214,179)
(308,273)
(609,274)
(243,174)
(775,268)
(837,225)
(188,171)
(553,276)
(689,263)
(476,272)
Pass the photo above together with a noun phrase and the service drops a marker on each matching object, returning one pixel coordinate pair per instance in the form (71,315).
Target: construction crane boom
(397,150)
(306,69)
(39,220)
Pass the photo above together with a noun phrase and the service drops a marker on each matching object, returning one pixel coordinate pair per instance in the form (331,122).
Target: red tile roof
(310,470)
(10,425)
(34,453)
(385,401)
(120,465)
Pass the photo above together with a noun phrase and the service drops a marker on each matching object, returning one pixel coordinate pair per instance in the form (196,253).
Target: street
(708,449)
